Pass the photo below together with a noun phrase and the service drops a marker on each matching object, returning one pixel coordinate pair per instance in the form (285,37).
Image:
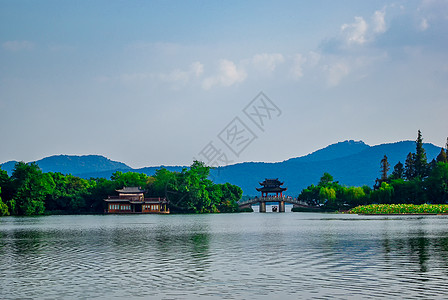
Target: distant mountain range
(352,163)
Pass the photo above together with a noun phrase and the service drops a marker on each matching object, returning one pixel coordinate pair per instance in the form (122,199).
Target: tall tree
(409,166)
(442,156)
(385,166)
(398,171)
(421,163)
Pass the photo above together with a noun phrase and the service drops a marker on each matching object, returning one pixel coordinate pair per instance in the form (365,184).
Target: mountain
(75,165)
(334,151)
(352,163)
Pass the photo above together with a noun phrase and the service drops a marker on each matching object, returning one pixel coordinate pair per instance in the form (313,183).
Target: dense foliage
(331,195)
(29,191)
(417,182)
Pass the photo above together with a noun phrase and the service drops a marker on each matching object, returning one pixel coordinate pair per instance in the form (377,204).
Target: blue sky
(155,82)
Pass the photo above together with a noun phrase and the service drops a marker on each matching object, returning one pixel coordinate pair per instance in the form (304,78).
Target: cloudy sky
(163,82)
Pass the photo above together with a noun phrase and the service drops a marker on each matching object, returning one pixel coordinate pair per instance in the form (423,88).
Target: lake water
(224,256)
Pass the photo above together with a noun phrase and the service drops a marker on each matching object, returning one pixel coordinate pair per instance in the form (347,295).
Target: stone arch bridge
(281,200)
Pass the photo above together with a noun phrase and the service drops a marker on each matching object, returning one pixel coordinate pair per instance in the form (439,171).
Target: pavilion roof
(268,189)
(271,182)
(130,190)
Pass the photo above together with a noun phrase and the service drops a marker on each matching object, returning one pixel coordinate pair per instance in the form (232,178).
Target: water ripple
(244,256)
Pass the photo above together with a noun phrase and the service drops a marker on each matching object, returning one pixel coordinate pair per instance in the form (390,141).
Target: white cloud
(176,77)
(361,32)
(179,76)
(336,72)
(424,24)
(355,32)
(313,58)
(379,24)
(197,68)
(18,45)
(297,66)
(267,62)
(229,74)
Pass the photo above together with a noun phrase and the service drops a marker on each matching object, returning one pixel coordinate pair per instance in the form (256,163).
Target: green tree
(129,179)
(69,194)
(327,194)
(189,191)
(442,157)
(310,195)
(355,196)
(4,211)
(383,195)
(385,166)
(195,184)
(31,188)
(231,194)
(325,179)
(7,190)
(436,184)
(409,167)
(408,191)
(398,171)
(421,163)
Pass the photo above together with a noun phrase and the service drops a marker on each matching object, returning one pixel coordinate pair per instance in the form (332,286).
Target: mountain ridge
(350,162)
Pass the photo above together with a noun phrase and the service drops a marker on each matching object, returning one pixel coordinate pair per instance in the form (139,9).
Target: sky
(154,83)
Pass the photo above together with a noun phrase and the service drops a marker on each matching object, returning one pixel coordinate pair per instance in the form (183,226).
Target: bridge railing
(287,199)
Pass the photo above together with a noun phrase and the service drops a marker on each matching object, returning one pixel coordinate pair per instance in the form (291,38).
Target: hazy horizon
(261,161)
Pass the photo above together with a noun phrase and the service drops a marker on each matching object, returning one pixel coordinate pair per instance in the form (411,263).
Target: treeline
(29,191)
(416,182)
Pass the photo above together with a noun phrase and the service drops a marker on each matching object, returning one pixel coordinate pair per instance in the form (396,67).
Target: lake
(224,256)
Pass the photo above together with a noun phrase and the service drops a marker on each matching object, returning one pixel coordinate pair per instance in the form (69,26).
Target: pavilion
(131,200)
(271,186)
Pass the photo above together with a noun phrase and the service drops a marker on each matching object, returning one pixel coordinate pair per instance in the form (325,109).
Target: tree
(442,157)
(421,163)
(231,194)
(310,195)
(384,168)
(398,171)
(354,196)
(129,179)
(383,195)
(69,194)
(436,184)
(191,191)
(327,195)
(4,211)
(409,166)
(31,188)
(325,179)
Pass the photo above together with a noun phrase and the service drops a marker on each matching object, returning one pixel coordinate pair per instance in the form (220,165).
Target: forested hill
(75,165)
(350,163)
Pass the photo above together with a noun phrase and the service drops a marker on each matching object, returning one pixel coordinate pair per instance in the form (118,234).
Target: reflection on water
(227,256)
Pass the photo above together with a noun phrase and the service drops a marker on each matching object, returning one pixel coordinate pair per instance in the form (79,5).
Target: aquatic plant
(400,209)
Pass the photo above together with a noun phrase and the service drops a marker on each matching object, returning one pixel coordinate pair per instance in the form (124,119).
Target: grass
(378,209)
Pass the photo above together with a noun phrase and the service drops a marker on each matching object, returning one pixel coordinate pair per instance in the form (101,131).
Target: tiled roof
(130,190)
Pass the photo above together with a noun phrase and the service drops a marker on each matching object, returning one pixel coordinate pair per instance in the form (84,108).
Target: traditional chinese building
(271,186)
(132,200)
